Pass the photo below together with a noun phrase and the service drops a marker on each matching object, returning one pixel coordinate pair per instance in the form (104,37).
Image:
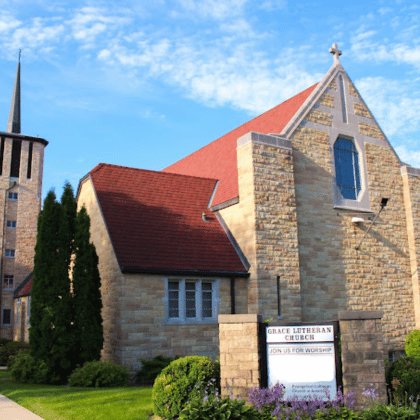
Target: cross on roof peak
(336,52)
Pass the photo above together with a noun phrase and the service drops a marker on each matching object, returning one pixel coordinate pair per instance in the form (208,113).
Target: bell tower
(21,168)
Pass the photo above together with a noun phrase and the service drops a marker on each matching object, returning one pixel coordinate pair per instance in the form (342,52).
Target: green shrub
(342,413)
(150,369)
(11,348)
(25,369)
(403,378)
(390,412)
(212,407)
(100,374)
(179,382)
(412,344)
(4,341)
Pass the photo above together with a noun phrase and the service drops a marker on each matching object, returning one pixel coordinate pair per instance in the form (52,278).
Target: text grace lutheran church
(302,212)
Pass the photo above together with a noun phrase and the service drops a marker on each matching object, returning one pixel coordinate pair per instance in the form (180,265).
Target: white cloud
(393,103)
(410,156)
(271,5)
(90,22)
(8,22)
(233,75)
(216,9)
(36,35)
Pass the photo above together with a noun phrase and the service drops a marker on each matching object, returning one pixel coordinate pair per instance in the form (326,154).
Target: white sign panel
(306,334)
(306,368)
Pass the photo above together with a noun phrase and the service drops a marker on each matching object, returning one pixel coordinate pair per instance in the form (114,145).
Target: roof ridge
(102,165)
(246,122)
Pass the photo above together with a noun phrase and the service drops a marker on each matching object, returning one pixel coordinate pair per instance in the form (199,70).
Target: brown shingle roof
(218,159)
(155,222)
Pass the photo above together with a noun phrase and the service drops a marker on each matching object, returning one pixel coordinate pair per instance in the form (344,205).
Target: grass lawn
(67,403)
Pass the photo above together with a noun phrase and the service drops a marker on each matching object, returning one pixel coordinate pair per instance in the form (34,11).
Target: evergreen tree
(62,359)
(66,328)
(42,333)
(86,293)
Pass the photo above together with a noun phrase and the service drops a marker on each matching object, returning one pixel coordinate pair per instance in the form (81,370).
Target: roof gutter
(184,272)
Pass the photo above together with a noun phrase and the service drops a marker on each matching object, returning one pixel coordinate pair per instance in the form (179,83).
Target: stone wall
(24,211)
(363,357)
(239,354)
(291,222)
(133,311)
(264,224)
(242,348)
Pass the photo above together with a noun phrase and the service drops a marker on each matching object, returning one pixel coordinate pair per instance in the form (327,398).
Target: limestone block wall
(334,276)
(362,353)
(133,311)
(264,224)
(22,315)
(111,276)
(411,188)
(239,354)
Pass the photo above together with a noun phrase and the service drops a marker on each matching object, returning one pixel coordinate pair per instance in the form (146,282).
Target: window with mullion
(191,300)
(207,299)
(173,299)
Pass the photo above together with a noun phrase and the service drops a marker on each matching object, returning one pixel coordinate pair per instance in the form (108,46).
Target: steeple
(13,125)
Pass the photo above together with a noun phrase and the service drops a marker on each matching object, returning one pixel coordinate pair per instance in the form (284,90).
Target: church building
(302,212)
(21,170)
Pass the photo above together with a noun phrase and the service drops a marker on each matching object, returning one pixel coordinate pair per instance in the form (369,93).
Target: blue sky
(145,83)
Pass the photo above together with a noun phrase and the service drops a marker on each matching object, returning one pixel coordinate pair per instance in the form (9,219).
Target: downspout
(232,296)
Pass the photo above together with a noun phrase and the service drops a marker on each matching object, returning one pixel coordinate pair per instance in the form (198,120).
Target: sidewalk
(9,410)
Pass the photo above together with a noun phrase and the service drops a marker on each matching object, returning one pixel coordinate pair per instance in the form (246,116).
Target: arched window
(347,168)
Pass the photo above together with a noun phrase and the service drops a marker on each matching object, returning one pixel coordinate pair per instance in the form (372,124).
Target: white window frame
(198,319)
(13,195)
(362,202)
(9,277)
(2,316)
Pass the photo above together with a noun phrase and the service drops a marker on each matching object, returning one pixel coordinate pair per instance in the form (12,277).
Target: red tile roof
(25,288)
(218,159)
(155,222)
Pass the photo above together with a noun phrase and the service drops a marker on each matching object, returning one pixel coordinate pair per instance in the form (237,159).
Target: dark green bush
(213,407)
(403,378)
(24,369)
(342,413)
(150,369)
(412,344)
(11,348)
(390,412)
(100,374)
(4,341)
(180,382)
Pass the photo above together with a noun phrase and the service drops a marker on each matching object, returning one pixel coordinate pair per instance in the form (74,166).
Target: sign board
(302,358)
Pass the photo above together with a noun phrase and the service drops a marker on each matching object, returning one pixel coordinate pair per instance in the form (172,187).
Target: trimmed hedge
(180,382)
(26,370)
(100,374)
(11,348)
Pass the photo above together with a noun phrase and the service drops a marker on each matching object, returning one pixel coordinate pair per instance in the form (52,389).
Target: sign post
(303,359)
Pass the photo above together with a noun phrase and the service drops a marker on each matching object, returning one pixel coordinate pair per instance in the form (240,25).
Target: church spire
(13,125)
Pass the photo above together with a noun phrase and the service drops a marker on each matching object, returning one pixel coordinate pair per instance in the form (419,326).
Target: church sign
(303,359)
